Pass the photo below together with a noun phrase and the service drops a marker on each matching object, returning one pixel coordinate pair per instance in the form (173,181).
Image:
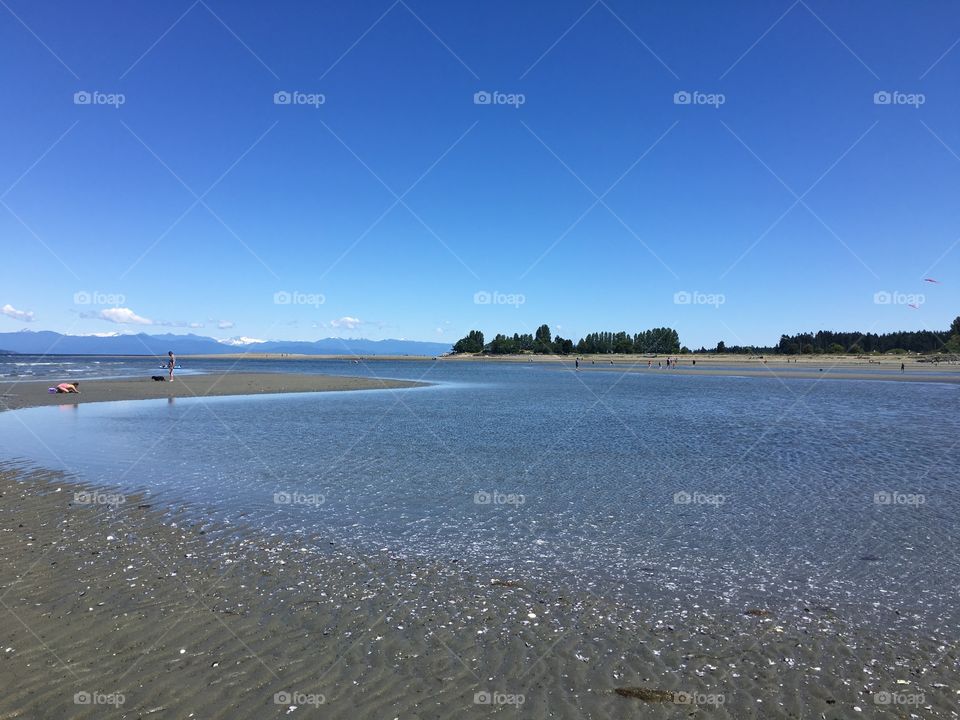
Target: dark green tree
(542,339)
(472,343)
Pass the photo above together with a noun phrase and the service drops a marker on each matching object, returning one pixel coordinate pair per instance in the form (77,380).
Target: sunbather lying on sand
(68,388)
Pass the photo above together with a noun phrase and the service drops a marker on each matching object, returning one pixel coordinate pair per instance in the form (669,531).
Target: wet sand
(15,395)
(820,367)
(823,367)
(111,598)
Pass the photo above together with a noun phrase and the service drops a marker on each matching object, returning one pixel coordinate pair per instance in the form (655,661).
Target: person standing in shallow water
(171,363)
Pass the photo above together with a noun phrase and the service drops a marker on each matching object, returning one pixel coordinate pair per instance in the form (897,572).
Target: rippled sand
(126,599)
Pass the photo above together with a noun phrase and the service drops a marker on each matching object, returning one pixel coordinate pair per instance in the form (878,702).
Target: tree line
(667,341)
(857,343)
(657,340)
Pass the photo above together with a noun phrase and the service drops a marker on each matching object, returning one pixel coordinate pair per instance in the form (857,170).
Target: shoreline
(178,615)
(34,393)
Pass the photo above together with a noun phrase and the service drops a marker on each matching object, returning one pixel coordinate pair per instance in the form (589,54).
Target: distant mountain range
(46,342)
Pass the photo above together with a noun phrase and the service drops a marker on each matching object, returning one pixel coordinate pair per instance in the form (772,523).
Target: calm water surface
(651,486)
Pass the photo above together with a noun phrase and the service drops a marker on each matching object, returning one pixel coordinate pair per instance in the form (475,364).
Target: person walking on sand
(576,361)
(903,367)
(171,363)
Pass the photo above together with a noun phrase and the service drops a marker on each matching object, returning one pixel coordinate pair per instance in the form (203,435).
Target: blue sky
(385,201)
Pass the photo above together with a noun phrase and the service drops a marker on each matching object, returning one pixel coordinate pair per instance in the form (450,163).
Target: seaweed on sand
(645,694)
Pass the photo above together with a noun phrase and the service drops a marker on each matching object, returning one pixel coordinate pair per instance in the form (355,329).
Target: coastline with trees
(666,341)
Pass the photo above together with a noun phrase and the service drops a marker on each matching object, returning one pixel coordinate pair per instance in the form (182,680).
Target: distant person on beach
(171,363)
(903,367)
(694,362)
(68,388)
(576,361)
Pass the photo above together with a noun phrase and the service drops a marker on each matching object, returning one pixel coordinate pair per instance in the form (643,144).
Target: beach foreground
(15,395)
(113,604)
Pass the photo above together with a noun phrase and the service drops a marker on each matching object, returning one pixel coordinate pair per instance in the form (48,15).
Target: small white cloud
(197,325)
(351,323)
(225,324)
(439,331)
(123,316)
(21,315)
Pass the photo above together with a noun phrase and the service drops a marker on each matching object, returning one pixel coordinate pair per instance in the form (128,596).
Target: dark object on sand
(645,694)
(158,378)
(506,583)
(756,612)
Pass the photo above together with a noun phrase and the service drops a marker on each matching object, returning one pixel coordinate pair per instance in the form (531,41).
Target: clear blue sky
(302,198)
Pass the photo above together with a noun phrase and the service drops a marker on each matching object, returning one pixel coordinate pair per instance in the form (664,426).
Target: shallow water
(648,487)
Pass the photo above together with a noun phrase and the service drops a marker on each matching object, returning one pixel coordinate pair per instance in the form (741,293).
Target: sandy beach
(15,395)
(114,604)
